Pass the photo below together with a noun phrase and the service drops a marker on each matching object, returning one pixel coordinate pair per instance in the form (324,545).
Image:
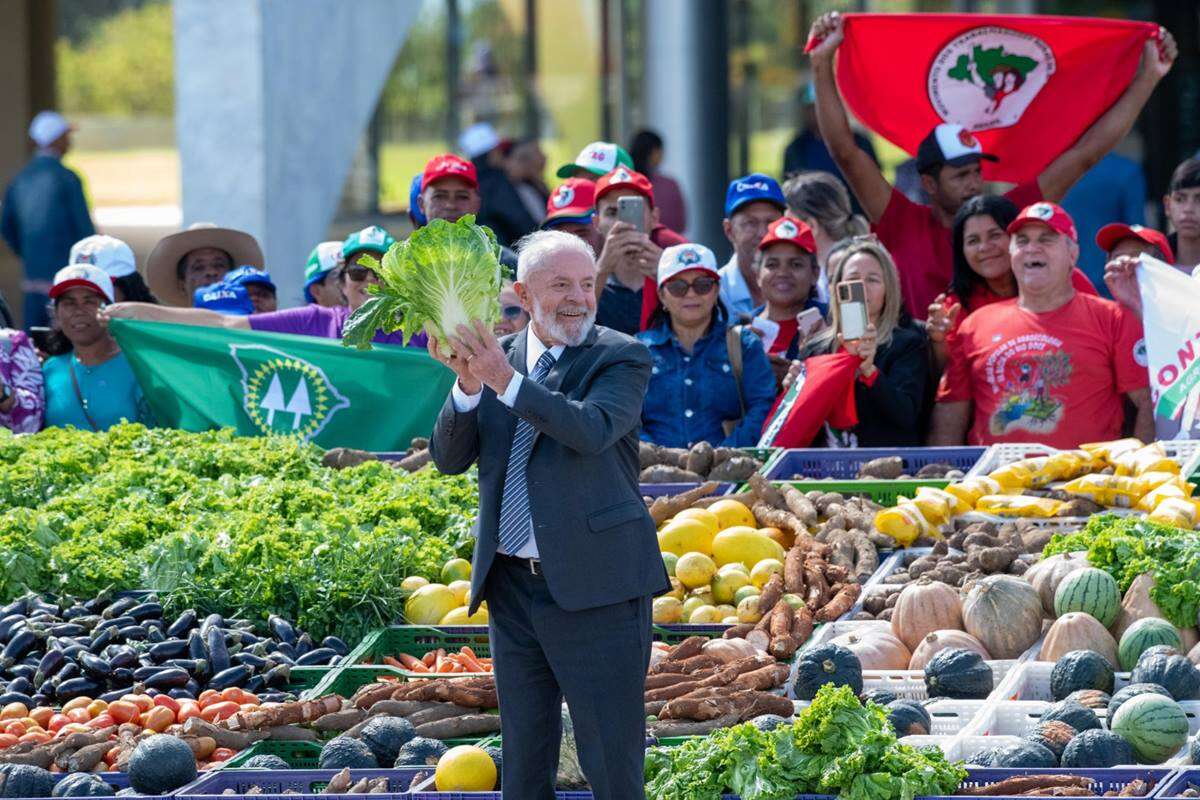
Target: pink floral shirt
(21,372)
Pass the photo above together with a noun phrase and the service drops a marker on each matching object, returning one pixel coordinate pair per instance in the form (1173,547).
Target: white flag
(1171,316)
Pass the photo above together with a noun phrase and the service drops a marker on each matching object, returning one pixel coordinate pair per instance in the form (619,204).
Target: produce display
(415,457)
(702,462)
(438,708)
(439,662)
(443,601)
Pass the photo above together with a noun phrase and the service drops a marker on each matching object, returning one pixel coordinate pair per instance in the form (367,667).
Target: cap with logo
(414,208)
(684,257)
(84,276)
(47,127)
(371,239)
(224,298)
(1110,235)
(949,144)
(751,189)
(106,252)
(1050,214)
(246,275)
(478,139)
(324,259)
(448,165)
(792,231)
(625,178)
(597,158)
(573,201)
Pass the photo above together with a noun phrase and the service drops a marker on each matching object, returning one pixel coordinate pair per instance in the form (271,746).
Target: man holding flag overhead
(1028,86)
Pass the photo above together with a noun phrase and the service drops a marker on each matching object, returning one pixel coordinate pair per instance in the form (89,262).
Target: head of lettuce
(445,275)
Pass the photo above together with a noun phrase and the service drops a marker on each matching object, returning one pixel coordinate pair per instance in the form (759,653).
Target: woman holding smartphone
(787,278)
(867,319)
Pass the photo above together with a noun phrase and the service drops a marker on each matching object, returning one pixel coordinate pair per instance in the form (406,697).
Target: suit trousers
(596,659)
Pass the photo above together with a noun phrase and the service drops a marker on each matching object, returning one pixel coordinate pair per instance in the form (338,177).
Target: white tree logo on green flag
(986,77)
(284,394)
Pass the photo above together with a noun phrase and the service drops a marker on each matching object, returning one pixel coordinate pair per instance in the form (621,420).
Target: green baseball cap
(324,258)
(598,158)
(372,239)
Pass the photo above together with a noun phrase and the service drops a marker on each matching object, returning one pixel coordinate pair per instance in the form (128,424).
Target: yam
(700,458)
(802,624)
(663,508)
(771,592)
(793,571)
(801,506)
(767,492)
(840,604)
(414,462)
(735,469)
(663,729)
(460,727)
(888,468)
(661,473)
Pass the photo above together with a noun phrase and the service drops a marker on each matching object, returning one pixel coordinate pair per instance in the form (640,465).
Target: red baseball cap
(575,199)
(624,178)
(448,165)
(1049,214)
(791,230)
(1110,235)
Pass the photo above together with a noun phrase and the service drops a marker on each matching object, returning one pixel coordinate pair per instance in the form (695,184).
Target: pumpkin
(876,649)
(1081,669)
(959,674)
(1072,713)
(1172,672)
(1137,604)
(1045,575)
(935,642)
(924,607)
(1090,698)
(1027,754)
(1054,735)
(909,718)
(878,696)
(1078,631)
(1097,749)
(1004,613)
(829,663)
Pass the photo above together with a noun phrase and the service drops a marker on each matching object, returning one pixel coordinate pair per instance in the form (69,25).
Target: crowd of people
(970,316)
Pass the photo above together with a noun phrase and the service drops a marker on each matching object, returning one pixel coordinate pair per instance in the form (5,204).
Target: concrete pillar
(686,97)
(272,98)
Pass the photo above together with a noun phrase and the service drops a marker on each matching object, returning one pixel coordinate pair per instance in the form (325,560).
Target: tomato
(250,698)
(220,711)
(96,707)
(14,711)
(166,701)
(222,754)
(15,728)
(143,701)
(37,737)
(208,697)
(158,719)
(187,710)
(101,722)
(42,716)
(73,727)
(7,740)
(124,711)
(78,702)
(30,724)
(79,714)
(57,721)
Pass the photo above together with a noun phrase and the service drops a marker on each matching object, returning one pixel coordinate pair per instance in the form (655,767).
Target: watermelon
(1155,726)
(1090,590)
(1144,634)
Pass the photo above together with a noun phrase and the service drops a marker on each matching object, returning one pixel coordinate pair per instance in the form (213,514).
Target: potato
(980,540)
(875,602)
(700,458)
(1018,567)
(922,565)
(898,577)
(990,559)
(885,615)
(735,469)
(888,468)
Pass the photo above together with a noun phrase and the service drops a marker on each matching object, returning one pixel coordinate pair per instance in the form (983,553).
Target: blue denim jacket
(44,213)
(690,395)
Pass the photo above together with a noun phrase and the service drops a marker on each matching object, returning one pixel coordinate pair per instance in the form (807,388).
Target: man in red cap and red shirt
(1123,244)
(626,281)
(1051,365)
(450,191)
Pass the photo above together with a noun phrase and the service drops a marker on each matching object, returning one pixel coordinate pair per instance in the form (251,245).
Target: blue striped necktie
(516,524)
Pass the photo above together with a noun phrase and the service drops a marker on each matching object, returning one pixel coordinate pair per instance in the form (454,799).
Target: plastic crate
(303,680)
(676,632)
(906,683)
(947,717)
(119,780)
(1185,452)
(1104,780)
(298,755)
(417,640)
(345,681)
(814,462)
(1032,680)
(294,784)
(1178,783)
(826,633)
(885,493)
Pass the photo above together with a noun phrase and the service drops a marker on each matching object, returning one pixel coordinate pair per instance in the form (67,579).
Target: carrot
(413,664)
(430,658)
(391,662)
(468,660)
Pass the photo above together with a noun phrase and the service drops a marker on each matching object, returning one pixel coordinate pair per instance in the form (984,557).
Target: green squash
(161,764)
(1097,749)
(1080,669)
(959,674)
(1175,673)
(1072,713)
(829,663)
(23,780)
(344,752)
(82,784)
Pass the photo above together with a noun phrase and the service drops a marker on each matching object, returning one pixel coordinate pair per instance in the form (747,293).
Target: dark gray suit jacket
(595,539)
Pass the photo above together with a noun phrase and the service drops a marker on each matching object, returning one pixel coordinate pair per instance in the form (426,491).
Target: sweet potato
(671,692)
(737,631)
(441,711)
(689,647)
(415,461)
(814,578)
(762,678)
(663,508)
(781,620)
(767,492)
(339,783)
(772,591)
(800,505)
(459,727)
(802,624)
(840,604)
(793,571)
(888,468)
(735,469)
(340,720)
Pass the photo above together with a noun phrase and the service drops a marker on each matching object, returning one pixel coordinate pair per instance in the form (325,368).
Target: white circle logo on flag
(563,196)
(986,77)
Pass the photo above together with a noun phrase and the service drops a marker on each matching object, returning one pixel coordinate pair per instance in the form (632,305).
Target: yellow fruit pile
(444,603)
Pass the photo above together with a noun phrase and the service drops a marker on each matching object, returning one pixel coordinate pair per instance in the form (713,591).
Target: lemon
(726,610)
(695,570)
(691,604)
(710,520)
(704,615)
(747,610)
(725,585)
(763,570)
(456,569)
(412,583)
(459,616)
(465,768)
(669,560)
(677,590)
(667,610)
(429,604)
(734,566)
(704,593)
(731,513)
(744,592)
(793,600)
(745,545)
(685,536)
(462,590)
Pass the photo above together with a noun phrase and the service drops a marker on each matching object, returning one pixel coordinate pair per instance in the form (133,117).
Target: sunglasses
(511,312)
(357,273)
(678,287)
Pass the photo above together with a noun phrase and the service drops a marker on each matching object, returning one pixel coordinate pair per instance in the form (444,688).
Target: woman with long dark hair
(646,150)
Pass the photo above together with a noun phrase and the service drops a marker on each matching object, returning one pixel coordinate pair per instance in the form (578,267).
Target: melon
(745,545)
(1090,590)
(1155,726)
(1144,634)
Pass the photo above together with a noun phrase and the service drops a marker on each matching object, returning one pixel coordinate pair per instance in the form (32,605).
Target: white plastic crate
(1031,680)
(1185,452)
(910,683)
(965,745)
(831,630)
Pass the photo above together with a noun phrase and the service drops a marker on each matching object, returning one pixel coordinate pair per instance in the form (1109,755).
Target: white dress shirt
(734,291)
(463,402)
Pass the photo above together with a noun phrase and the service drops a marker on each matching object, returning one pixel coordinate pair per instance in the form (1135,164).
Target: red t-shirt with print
(983,296)
(922,248)
(1055,378)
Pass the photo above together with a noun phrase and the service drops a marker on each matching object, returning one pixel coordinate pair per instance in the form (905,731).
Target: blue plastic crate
(844,464)
(305,783)
(675,633)
(1114,779)
(118,780)
(1179,782)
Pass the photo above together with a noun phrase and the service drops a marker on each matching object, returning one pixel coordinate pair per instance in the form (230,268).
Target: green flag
(198,378)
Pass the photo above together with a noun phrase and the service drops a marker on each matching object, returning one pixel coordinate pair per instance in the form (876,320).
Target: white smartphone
(808,321)
(852,305)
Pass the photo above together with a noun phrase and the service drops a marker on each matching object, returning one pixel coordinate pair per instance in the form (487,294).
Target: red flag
(1028,86)
(824,391)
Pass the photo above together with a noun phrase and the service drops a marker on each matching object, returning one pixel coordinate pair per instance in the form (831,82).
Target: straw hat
(161,266)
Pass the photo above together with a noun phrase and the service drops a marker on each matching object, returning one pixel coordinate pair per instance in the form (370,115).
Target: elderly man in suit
(565,553)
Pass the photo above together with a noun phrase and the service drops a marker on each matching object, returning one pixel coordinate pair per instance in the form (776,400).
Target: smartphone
(852,305)
(41,338)
(633,211)
(808,321)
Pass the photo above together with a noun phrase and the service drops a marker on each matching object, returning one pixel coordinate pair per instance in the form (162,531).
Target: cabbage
(444,275)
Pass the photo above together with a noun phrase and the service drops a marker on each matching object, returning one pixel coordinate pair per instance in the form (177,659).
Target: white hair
(535,251)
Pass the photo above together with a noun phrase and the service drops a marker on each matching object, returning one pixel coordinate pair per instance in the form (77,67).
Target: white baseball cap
(47,126)
(106,252)
(683,257)
(478,139)
(82,275)
(598,158)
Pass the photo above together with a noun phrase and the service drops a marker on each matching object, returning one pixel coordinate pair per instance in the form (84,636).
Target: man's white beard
(548,322)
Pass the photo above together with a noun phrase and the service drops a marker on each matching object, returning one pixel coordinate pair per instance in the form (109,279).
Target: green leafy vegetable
(444,275)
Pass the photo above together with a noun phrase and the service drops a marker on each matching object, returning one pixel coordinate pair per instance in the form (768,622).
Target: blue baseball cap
(246,275)
(414,210)
(751,189)
(224,298)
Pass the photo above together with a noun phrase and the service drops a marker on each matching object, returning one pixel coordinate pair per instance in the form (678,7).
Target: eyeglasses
(356,273)
(511,312)
(678,287)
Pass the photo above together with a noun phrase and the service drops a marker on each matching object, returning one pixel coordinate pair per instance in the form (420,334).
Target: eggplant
(183,623)
(116,623)
(278,677)
(75,612)
(212,621)
(233,676)
(51,662)
(197,667)
(9,625)
(152,692)
(119,607)
(103,639)
(196,648)
(96,604)
(181,693)
(133,633)
(17,647)
(274,697)
(193,687)
(218,653)
(281,629)
(18,607)
(90,622)
(304,644)
(256,684)
(154,634)
(77,687)
(252,660)
(282,658)
(318,657)
(261,650)
(114,695)
(22,685)
(121,676)
(336,645)
(171,648)
(167,678)
(69,670)
(73,650)
(68,629)
(17,697)
(24,671)
(95,666)
(250,639)
(146,611)
(40,700)
(122,656)
(283,648)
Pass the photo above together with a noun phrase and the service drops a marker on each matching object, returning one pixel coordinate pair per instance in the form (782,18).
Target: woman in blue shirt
(91,387)
(694,394)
